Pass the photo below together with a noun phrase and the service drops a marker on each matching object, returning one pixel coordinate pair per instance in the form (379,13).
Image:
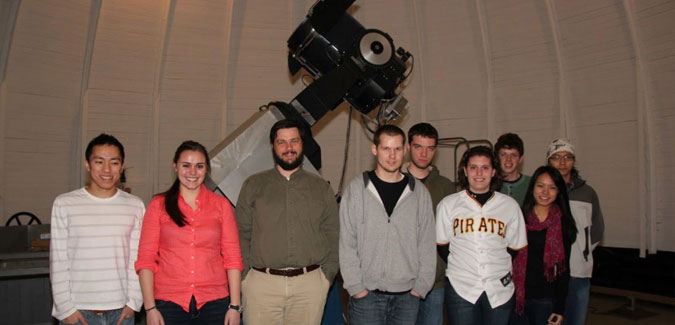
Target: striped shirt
(94,244)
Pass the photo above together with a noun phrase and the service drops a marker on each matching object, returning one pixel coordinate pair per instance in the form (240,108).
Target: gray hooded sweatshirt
(390,253)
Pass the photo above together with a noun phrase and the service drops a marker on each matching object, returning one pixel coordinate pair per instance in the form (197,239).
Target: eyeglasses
(565,158)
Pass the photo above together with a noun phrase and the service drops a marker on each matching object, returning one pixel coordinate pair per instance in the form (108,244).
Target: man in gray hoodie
(387,252)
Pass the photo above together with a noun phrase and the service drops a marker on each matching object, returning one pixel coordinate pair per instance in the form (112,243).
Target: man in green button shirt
(288,231)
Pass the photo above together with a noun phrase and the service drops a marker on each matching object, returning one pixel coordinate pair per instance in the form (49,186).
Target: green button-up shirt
(288,222)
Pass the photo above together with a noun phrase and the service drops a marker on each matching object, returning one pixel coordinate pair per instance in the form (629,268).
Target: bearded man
(288,232)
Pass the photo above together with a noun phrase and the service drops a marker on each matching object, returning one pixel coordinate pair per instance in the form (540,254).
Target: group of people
(564,223)
(407,243)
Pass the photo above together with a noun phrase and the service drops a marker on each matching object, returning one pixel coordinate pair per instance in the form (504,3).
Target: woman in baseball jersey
(541,271)
(478,225)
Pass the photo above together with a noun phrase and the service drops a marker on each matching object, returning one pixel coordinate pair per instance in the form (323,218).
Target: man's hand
(74,318)
(414,293)
(361,294)
(127,312)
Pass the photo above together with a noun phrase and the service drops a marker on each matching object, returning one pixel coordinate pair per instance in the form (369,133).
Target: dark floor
(606,310)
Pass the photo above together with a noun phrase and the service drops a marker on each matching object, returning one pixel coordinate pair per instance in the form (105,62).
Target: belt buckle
(287,272)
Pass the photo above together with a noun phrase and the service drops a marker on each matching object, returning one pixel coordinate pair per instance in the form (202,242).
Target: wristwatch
(238,308)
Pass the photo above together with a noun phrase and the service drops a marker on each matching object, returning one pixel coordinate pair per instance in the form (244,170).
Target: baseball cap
(558,145)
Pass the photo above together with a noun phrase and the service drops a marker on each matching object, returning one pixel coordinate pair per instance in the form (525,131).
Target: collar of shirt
(200,202)
(295,175)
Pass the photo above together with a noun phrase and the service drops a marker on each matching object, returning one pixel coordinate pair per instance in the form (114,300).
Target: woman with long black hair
(541,271)
(189,259)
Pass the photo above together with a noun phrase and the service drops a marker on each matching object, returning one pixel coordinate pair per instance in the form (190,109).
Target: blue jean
(537,311)
(382,308)
(461,311)
(431,308)
(577,301)
(213,312)
(109,318)
(332,312)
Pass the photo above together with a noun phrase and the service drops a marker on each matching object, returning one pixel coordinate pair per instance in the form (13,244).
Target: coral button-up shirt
(193,259)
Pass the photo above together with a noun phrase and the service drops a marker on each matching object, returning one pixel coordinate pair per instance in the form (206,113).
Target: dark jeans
(431,308)
(461,311)
(577,301)
(332,312)
(382,308)
(213,312)
(537,311)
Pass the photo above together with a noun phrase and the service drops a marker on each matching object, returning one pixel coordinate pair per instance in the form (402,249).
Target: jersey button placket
(482,256)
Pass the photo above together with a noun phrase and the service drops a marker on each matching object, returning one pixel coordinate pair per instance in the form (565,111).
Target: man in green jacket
(288,232)
(510,150)
(423,139)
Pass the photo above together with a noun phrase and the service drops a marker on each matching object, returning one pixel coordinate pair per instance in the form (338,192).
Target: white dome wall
(157,72)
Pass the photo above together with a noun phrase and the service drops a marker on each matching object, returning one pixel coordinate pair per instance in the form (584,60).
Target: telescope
(346,62)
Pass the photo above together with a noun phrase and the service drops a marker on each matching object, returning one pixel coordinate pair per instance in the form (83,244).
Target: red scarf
(554,252)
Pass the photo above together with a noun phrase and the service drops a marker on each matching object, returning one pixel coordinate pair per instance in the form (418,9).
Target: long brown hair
(171,195)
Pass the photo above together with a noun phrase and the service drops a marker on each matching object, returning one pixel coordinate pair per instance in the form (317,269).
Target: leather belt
(287,272)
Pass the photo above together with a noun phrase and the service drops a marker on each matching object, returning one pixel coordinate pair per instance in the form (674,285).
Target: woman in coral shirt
(189,260)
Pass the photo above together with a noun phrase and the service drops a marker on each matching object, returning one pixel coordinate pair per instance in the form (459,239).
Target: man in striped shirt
(94,243)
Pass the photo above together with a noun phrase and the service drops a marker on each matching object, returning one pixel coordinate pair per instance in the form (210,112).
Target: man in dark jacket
(423,140)
(587,215)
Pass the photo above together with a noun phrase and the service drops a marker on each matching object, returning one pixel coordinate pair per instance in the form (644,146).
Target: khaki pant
(273,299)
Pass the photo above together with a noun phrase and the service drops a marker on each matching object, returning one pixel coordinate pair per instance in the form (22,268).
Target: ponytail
(171,204)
